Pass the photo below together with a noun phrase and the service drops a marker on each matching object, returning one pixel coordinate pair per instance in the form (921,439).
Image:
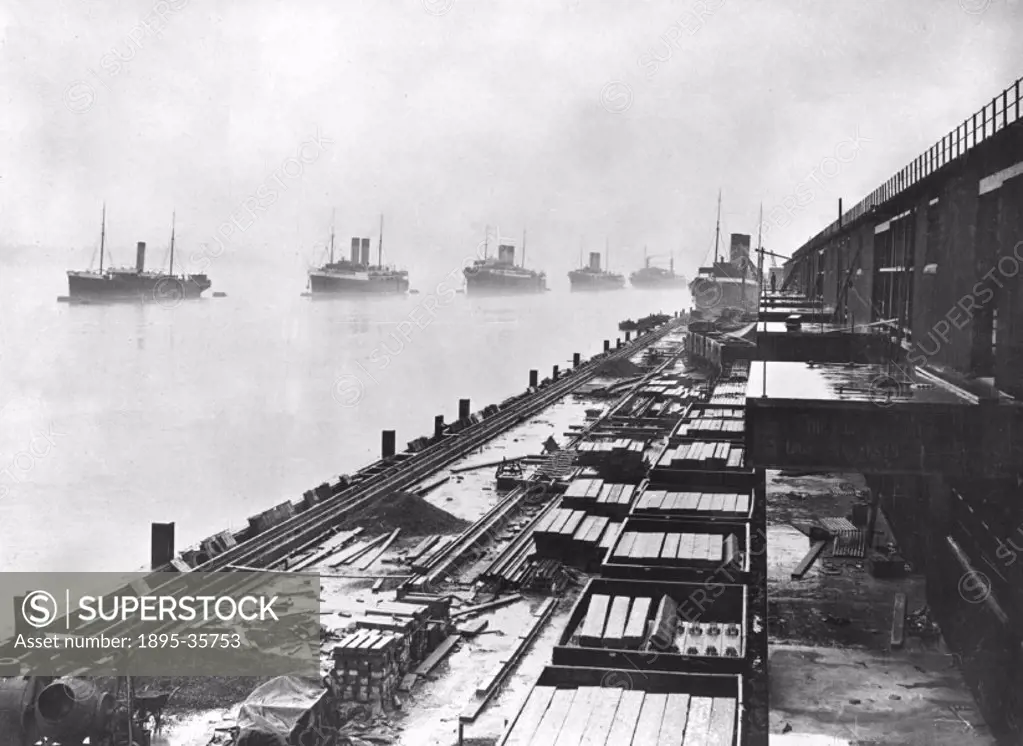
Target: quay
(777,526)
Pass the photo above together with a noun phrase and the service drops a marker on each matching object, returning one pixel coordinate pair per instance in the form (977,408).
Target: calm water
(115,416)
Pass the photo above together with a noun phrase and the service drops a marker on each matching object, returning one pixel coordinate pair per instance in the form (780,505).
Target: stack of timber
(617,459)
(677,549)
(574,537)
(708,428)
(704,455)
(707,505)
(597,497)
(658,547)
(368,664)
(668,712)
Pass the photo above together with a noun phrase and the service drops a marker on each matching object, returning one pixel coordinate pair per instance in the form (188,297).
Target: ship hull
(711,296)
(482,282)
(327,284)
(589,282)
(133,287)
(654,284)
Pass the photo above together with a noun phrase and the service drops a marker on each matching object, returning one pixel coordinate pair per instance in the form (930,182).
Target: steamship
(133,284)
(355,275)
(592,277)
(726,287)
(657,278)
(500,275)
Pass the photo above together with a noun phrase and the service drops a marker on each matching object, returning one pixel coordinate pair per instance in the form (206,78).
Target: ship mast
(380,244)
(486,241)
(171,273)
(523,248)
(717,231)
(332,214)
(102,236)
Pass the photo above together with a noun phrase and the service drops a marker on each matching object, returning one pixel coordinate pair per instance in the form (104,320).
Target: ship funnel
(365,251)
(140,257)
(738,251)
(595,261)
(506,253)
(355,250)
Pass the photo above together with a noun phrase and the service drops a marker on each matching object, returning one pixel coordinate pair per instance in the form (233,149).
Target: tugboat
(593,277)
(500,276)
(726,287)
(133,284)
(656,278)
(356,276)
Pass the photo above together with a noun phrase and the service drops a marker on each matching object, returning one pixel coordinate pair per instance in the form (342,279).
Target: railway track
(488,525)
(277,542)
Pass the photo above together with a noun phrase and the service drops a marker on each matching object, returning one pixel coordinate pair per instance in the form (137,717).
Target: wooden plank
(554,719)
(628,541)
(742,503)
(698,724)
(544,524)
(706,498)
(605,494)
(673,725)
(578,488)
(599,726)
(596,487)
(728,505)
(597,530)
(715,548)
(578,716)
(437,655)
(584,528)
(530,715)
(899,620)
(627,494)
(649,725)
(626,718)
(686,546)
(596,618)
(614,632)
(652,545)
(574,521)
(717,503)
(563,514)
(721,730)
(670,548)
(607,539)
(688,501)
(635,628)
(733,554)
(699,547)
(378,552)
(804,564)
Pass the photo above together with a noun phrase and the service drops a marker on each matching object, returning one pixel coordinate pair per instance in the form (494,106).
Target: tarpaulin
(278,706)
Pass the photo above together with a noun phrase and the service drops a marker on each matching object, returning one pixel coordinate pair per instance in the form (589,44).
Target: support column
(463,409)
(387,444)
(533,377)
(554,374)
(576,359)
(438,426)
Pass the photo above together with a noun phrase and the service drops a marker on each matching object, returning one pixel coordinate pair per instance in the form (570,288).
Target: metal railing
(1003,111)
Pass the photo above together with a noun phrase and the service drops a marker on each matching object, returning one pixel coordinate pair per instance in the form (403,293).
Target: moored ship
(133,283)
(355,275)
(726,287)
(657,278)
(592,277)
(500,276)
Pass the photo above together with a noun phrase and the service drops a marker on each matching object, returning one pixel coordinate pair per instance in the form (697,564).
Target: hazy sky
(577,119)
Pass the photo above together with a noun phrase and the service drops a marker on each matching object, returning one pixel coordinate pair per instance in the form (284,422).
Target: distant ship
(657,278)
(135,284)
(500,276)
(593,277)
(356,276)
(731,284)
